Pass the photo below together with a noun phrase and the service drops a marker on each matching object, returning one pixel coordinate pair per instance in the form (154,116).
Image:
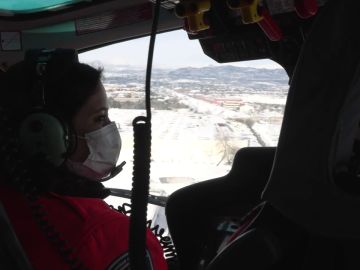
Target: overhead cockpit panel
(228,31)
(238,30)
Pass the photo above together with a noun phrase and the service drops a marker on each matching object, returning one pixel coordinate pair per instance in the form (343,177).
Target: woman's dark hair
(68,94)
(66,89)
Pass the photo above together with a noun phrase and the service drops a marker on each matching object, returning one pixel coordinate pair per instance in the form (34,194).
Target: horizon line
(100,64)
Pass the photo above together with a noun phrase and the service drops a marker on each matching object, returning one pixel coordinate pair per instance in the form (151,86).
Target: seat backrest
(12,255)
(319,128)
(310,215)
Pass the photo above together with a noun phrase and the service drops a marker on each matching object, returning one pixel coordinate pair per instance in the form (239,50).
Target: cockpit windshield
(202,112)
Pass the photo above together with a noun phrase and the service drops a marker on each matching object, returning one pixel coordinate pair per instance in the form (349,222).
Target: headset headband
(41,62)
(54,56)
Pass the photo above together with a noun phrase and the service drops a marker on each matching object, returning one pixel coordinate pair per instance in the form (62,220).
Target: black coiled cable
(165,240)
(141,170)
(62,246)
(140,192)
(125,209)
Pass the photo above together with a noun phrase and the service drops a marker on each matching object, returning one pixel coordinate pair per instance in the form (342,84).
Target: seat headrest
(249,162)
(319,127)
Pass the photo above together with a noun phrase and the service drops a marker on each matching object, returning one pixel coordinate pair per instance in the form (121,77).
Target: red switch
(306,8)
(269,26)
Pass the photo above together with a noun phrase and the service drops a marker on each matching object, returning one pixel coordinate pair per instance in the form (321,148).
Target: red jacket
(97,233)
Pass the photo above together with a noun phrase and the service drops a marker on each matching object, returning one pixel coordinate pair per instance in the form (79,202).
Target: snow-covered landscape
(200,118)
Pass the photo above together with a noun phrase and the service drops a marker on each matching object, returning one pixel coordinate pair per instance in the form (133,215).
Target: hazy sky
(172,50)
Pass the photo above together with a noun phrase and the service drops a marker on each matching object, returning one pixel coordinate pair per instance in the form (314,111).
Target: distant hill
(211,78)
(226,73)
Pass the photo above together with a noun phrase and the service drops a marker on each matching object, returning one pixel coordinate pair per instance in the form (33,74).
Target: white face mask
(104,146)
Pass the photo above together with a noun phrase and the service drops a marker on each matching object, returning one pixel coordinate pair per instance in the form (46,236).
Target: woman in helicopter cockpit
(57,145)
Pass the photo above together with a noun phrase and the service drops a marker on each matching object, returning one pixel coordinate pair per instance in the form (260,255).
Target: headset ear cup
(44,137)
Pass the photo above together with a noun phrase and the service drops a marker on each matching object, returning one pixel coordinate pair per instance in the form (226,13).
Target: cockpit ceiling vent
(14,7)
(168,4)
(113,19)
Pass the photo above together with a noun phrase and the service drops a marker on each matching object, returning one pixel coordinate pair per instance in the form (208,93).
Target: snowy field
(195,144)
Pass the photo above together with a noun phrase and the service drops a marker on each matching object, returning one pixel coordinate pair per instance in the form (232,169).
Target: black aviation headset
(43,135)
